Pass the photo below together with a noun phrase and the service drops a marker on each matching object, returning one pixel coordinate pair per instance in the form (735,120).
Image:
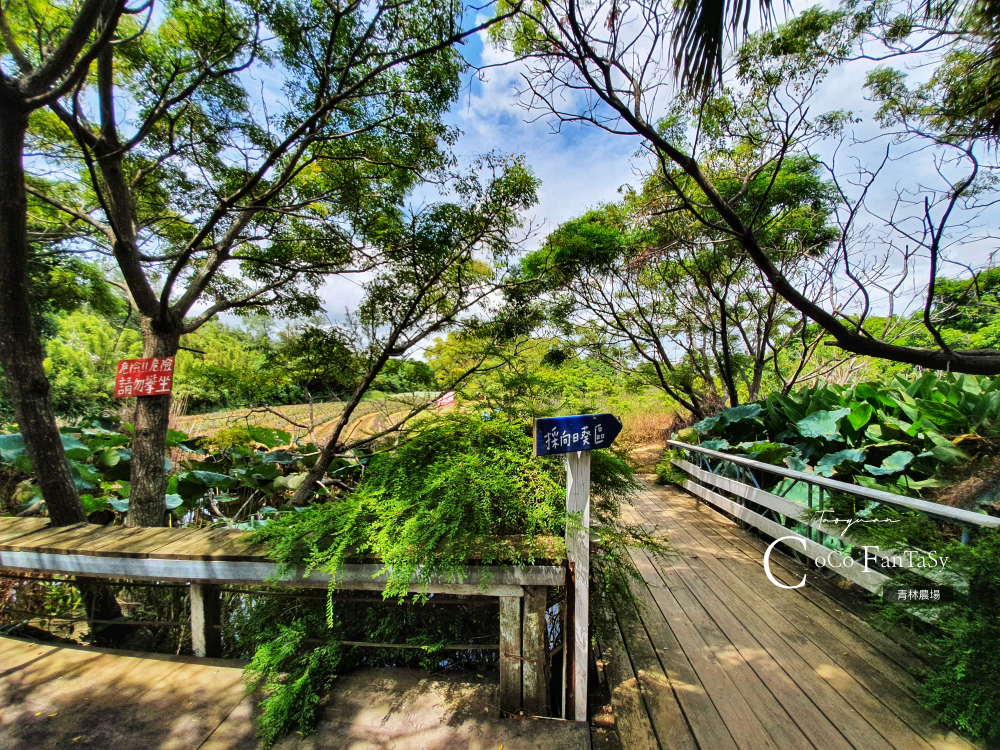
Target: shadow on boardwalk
(57,697)
(721,659)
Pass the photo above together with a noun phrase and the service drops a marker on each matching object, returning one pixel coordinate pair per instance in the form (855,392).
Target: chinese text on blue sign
(580,433)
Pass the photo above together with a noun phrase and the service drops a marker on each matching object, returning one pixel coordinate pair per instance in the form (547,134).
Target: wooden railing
(211,559)
(763,504)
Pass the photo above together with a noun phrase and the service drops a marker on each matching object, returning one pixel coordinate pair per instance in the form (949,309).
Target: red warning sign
(144,377)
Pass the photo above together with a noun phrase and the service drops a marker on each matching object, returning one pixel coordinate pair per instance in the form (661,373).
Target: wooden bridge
(210,558)
(715,658)
(718,658)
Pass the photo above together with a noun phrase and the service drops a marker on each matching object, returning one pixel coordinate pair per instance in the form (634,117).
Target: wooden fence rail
(705,481)
(209,560)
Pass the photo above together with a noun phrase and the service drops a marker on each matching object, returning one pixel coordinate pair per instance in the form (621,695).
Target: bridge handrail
(943,512)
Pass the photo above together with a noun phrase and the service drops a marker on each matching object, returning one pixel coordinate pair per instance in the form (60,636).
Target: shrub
(456,489)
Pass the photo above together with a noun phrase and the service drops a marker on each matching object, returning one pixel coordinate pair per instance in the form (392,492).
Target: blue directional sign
(581,433)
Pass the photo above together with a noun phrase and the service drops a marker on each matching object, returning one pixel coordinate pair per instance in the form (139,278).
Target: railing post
(206,616)
(535,647)
(809,500)
(578,555)
(510,654)
(820,536)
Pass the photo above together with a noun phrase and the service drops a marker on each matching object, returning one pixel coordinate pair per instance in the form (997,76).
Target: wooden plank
(12,528)
(738,693)
(578,555)
(863,661)
(213,544)
(535,647)
(828,631)
(839,605)
(25,541)
(510,654)
(566,705)
(877,675)
(140,544)
(843,701)
(689,594)
(541,550)
(471,575)
(122,536)
(206,616)
(64,543)
(224,571)
(754,718)
(631,719)
(889,708)
(871,580)
(668,681)
(773,669)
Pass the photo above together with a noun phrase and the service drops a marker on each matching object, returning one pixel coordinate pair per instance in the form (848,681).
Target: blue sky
(581,167)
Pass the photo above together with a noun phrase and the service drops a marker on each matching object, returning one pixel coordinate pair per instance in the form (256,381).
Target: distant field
(369,417)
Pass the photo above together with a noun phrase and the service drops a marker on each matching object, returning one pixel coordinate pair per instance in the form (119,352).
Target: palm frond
(700,31)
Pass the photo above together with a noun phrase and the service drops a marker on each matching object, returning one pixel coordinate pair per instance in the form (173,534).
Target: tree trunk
(147,497)
(20,348)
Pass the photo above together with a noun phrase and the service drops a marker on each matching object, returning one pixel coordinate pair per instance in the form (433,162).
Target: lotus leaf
(860,414)
(769,453)
(110,457)
(268,437)
(12,447)
(279,457)
(796,464)
(687,435)
(740,413)
(945,416)
(892,464)
(716,445)
(75,448)
(949,454)
(705,425)
(822,424)
(863,390)
(826,466)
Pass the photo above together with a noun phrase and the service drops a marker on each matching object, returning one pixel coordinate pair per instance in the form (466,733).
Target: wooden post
(206,616)
(567,661)
(578,554)
(510,654)
(535,646)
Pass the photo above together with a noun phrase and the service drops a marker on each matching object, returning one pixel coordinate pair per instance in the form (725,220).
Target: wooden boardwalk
(719,658)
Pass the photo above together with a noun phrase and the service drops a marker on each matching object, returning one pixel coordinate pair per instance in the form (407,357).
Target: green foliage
(893,435)
(457,489)
(236,471)
(405,376)
(99,462)
(527,377)
(632,281)
(81,359)
(293,678)
(965,686)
